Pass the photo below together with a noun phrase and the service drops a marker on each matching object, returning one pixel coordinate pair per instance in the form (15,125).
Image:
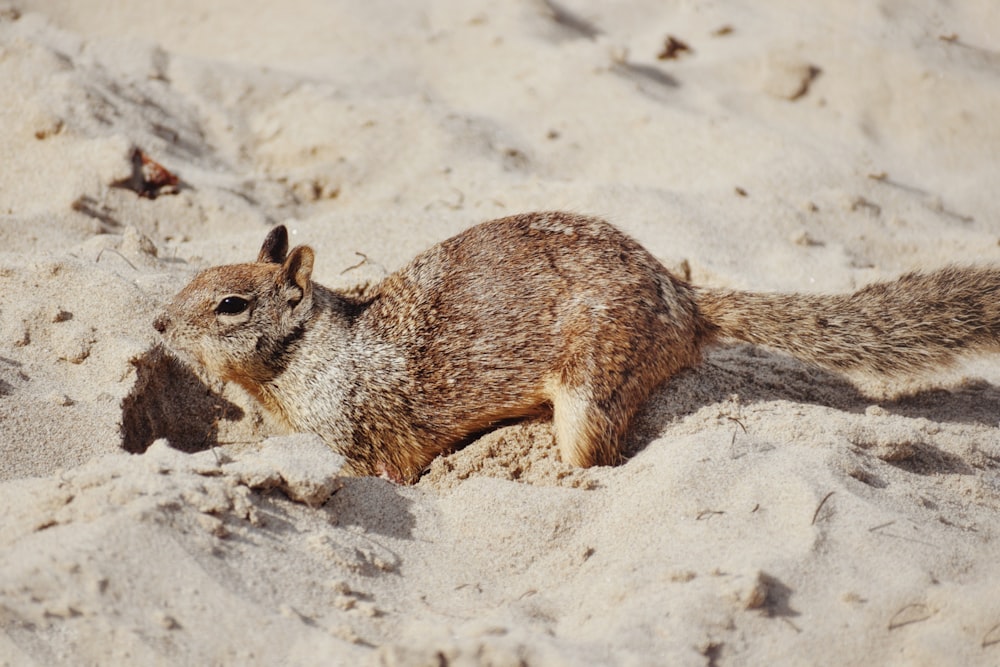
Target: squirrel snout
(161,322)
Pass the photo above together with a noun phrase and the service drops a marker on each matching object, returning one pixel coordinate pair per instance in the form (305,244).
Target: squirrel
(527,313)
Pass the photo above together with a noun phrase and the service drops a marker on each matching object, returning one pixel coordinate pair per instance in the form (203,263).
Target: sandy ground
(770,514)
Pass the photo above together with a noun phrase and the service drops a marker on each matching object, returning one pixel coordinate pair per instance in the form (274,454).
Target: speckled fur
(516,314)
(917,323)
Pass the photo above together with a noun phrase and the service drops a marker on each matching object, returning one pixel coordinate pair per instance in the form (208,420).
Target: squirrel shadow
(169,401)
(757,375)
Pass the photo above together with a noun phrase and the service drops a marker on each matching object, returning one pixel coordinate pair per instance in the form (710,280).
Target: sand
(770,513)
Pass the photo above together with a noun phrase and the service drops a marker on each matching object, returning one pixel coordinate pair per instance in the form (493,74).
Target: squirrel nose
(160,323)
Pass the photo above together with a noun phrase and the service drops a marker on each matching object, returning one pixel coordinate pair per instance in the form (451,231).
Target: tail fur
(920,322)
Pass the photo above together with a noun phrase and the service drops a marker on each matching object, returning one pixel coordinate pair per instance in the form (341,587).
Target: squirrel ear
(275,246)
(297,269)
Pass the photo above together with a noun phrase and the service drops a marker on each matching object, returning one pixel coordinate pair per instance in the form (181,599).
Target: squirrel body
(523,313)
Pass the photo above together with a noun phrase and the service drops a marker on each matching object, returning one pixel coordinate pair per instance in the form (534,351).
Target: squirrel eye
(232,305)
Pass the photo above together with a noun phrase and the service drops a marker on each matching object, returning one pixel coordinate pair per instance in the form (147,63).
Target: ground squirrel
(515,316)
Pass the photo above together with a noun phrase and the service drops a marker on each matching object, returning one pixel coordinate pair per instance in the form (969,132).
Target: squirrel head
(240,321)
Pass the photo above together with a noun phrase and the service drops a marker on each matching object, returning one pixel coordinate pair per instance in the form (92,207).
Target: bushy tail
(919,322)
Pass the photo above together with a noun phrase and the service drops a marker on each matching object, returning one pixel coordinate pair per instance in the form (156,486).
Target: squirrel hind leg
(587,433)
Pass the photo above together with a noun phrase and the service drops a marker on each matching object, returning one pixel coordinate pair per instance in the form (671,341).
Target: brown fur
(527,311)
